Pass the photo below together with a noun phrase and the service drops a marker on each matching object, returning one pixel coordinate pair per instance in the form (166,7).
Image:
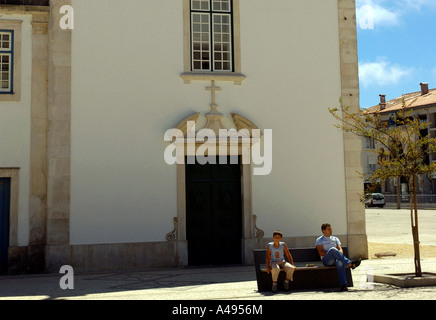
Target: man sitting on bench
(275,259)
(331,253)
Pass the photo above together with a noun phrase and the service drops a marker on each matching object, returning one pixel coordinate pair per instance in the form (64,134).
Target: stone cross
(213,89)
(214,117)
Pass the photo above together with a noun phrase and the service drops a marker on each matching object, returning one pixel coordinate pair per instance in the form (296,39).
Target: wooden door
(214,213)
(5,189)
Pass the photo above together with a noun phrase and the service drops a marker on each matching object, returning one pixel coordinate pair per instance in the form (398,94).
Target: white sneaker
(274,287)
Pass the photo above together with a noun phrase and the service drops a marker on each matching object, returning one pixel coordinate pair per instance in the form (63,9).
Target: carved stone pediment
(214,117)
(243,123)
(183,125)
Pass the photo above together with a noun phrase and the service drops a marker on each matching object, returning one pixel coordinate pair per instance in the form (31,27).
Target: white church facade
(98,98)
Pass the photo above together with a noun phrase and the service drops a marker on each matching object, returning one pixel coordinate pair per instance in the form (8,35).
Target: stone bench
(305,277)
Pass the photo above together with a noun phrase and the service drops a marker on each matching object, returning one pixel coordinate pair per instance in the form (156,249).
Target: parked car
(375,200)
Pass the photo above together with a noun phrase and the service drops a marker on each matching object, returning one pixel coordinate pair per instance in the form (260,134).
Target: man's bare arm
(321,251)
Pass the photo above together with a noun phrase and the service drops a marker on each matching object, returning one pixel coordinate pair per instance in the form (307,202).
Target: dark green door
(5,187)
(213,214)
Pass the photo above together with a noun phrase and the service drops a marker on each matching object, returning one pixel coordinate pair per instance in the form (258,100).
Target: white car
(375,200)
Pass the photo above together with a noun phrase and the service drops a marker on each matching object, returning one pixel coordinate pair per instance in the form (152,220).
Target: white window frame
(16,27)
(208,64)
(235,75)
(7,52)
(370,143)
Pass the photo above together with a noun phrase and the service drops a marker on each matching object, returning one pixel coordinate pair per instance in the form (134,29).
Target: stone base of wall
(358,246)
(17,260)
(115,257)
(135,256)
(36,258)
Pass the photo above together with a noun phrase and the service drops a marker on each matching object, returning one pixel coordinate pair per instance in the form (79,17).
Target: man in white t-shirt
(331,253)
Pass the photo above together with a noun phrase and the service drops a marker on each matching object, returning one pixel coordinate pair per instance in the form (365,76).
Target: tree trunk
(415,234)
(399,192)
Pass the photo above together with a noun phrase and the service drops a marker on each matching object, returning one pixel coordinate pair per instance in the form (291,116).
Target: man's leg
(334,257)
(341,273)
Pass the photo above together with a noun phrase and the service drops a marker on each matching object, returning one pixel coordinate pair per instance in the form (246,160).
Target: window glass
(211,35)
(200,41)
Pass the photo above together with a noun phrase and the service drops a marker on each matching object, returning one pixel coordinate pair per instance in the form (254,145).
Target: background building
(424,108)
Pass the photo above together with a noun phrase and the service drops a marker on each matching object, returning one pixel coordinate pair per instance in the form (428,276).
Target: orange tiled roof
(396,104)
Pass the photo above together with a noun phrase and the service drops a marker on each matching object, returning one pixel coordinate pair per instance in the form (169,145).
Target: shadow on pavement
(47,286)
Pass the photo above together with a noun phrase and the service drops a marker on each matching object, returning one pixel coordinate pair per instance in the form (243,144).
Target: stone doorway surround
(250,233)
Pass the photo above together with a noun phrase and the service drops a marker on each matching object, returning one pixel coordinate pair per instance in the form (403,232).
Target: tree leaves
(399,144)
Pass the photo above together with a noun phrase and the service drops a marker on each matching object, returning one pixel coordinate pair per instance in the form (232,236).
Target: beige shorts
(275,270)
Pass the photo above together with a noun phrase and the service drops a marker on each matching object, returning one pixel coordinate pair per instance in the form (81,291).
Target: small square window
(200,5)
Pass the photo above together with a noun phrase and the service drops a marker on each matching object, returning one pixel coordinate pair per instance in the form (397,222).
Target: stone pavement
(213,283)
(234,282)
(393,226)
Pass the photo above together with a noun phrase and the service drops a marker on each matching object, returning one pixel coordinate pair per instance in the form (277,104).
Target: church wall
(126,91)
(132,93)
(292,66)
(83,137)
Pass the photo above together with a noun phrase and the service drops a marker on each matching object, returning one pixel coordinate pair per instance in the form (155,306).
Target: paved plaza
(239,282)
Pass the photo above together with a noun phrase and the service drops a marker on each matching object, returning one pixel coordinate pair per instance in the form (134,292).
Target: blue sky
(396,46)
